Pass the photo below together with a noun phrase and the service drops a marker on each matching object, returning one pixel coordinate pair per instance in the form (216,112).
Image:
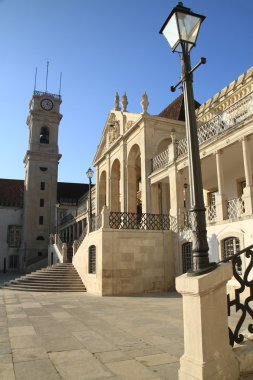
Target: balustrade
(160,161)
(235,208)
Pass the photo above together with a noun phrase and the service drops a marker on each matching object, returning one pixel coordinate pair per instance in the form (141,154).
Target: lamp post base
(201,271)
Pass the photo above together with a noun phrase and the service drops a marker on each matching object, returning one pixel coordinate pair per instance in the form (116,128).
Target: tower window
(42,202)
(44,135)
(40,219)
(43,169)
(42,186)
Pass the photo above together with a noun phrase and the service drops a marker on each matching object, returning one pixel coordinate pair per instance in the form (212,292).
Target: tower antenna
(47,75)
(35,80)
(60,84)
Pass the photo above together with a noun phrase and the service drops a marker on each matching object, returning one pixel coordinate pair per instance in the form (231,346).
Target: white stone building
(140,238)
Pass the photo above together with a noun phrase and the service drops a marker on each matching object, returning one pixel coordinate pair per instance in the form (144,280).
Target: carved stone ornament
(116,102)
(114,128)
(144,103)
(124,102)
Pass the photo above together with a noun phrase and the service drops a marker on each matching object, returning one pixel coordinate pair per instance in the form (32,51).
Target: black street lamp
(89,174)
(181,31)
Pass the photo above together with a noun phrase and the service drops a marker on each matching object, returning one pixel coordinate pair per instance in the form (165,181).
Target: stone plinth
(207,353)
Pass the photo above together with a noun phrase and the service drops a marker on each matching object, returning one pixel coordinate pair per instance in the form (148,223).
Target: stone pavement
(76,336)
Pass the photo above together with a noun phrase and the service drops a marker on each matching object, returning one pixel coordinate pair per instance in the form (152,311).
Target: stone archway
(134,179)
(115,186)
(102,192)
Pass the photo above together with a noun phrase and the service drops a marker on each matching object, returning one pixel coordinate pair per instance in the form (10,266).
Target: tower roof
(175,110)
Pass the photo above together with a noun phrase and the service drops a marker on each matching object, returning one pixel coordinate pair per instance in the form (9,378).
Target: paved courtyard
(76,336)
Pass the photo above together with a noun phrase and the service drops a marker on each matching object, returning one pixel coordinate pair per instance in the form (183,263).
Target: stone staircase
(56,278)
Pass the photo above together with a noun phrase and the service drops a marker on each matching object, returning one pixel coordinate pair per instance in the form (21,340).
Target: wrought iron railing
(160,161)
(40,93)
(136,221)
(243,295)
(235,208)
(211,213)
(95,223)
(81,238)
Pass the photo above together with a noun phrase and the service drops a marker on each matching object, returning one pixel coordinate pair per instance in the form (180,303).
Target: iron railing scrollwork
(241,302)
(138,221)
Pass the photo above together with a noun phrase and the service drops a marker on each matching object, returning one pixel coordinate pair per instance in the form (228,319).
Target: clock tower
(41,170)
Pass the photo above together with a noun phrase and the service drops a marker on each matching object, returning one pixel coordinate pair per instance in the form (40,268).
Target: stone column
(123,177)
(247,196)
(105,217)
(108,181)
(207,353)
(64,252)
(221,200)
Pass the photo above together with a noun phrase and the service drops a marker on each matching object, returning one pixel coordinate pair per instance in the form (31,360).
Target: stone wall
(127,262)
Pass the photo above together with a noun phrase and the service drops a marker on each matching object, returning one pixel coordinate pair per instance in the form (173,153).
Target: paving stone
(157,359)
(60,343)
(28,341)
(37,369)
(166,371)
(19,322)
(7,358)
(130,369)
(21,330)
(61,314)
(94,343)
(78,365)
(5,347)
(143,352)
(18,315)
(26,354)
(111,356)
(7,372)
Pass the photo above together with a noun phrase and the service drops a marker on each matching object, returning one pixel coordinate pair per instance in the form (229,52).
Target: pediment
(110,134)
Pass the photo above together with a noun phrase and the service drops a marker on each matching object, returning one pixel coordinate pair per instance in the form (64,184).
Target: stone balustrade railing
(221,122)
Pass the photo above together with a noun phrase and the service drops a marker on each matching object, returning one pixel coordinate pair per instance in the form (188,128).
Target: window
(13,262)
(43,169)
(41,202)
(92,259)
(187,256)
(40,238)
(231,246)
(40,219)
(42,186)
(14,236)
(44,135)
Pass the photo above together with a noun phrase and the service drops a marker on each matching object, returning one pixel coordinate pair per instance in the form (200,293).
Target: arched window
(44,135)
(187,256)
(92,259)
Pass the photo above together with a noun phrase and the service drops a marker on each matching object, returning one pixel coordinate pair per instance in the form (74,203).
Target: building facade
(142,238)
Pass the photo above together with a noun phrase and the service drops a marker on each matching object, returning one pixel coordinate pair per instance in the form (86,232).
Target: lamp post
(89,174)
(181,30)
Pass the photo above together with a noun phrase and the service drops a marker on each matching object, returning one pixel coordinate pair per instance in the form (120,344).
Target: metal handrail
(235,334)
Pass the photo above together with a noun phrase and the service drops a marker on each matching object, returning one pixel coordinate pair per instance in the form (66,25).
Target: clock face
(47,104)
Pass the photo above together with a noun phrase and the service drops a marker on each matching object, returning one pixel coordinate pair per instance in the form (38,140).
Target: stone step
(59,277)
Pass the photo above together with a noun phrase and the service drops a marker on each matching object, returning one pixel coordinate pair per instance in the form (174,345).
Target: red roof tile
(175,110)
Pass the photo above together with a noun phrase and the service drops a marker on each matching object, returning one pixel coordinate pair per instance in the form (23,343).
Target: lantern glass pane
(170,31)
(188,27)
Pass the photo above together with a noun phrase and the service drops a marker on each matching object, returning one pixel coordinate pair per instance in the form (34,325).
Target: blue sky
(104,46)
